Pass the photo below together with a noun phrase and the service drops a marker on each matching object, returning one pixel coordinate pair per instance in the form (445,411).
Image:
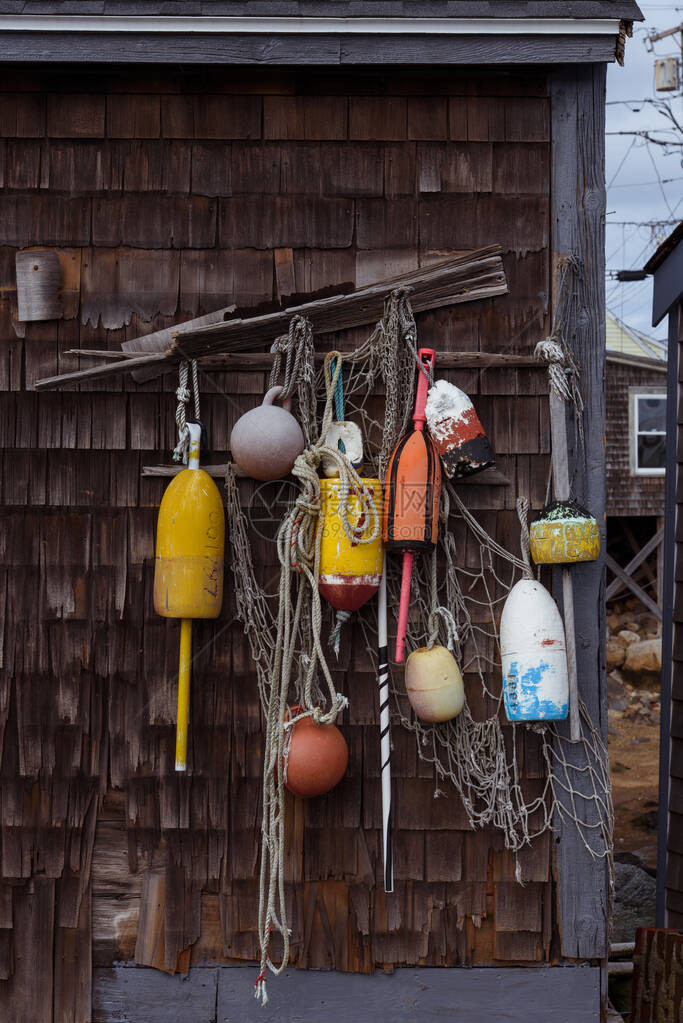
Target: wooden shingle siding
(628,494)
(170,202)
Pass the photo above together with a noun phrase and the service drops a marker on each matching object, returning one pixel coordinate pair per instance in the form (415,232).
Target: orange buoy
(316,759)
(412,493)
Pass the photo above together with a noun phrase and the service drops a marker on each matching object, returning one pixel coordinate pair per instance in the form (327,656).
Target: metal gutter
(309,26)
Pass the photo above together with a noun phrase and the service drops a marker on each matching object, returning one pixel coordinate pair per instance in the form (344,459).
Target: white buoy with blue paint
(533,655)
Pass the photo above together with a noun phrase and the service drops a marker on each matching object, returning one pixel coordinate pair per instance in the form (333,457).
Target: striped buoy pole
(385,738)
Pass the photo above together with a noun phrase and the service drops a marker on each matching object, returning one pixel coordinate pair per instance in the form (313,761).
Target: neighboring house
(667,267)
(344,145)
(635,459)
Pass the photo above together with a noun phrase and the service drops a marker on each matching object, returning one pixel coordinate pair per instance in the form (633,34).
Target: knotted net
(457,595)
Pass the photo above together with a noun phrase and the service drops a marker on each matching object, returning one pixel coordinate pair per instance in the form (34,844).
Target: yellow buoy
(188,570)
(350,572)
(563,534)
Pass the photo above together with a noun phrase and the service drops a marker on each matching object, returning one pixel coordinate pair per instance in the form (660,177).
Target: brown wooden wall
(166,197)
(628,494)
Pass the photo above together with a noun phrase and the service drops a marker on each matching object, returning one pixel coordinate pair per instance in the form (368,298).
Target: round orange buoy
(317,757)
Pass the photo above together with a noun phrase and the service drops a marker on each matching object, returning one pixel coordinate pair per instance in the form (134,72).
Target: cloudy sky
(644,183)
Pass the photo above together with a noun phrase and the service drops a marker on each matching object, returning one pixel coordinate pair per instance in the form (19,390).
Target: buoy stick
(560,459)
(426,358)
(402,624)
(183,694)
(385,738)
(185,658)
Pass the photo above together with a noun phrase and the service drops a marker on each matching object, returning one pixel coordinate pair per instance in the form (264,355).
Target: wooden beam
(248,50)
(633,586)
(616,585)
(536,994)
(260,361)
(490,477)
(577,98)
(635,547)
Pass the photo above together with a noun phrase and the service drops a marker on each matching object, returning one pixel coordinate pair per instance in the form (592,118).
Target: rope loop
(183,394)
(522,515)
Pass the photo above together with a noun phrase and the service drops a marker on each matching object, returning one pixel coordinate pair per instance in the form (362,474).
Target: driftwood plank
(477,275)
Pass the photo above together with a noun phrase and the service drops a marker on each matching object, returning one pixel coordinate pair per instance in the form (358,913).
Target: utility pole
(667,69)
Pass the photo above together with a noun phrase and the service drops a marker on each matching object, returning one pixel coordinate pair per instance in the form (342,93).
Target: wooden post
(558,431)
(578,205)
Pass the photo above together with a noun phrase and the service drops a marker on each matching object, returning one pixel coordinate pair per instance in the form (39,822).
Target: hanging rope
(181,450)
(524,540)
(298,546)
(563,372)
(296,348)
(339,405)
(439,616)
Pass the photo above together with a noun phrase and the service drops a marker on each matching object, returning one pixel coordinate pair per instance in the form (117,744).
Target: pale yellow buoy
(434,684)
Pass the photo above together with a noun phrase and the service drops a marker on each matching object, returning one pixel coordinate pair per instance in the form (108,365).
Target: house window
(648,431)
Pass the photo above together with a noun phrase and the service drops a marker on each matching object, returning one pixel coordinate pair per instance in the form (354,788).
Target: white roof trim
(309,26)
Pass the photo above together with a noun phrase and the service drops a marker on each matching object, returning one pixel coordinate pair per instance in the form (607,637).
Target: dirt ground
(634,766)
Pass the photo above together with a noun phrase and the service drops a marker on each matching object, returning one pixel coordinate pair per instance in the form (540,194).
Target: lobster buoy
(316,757)
(434,684)
(188,568)
(350,572)
(533,655)
(564,533)
(410,518)
(457,432)
(266,441)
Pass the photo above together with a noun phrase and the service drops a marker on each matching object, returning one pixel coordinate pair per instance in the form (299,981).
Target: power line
(646,184)
(645,223)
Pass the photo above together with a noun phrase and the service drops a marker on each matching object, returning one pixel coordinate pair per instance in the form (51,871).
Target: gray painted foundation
(226,995)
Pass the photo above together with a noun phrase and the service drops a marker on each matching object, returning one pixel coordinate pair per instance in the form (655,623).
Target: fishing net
(457,595)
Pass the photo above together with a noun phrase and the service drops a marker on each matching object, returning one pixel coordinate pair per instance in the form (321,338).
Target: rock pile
(634,644)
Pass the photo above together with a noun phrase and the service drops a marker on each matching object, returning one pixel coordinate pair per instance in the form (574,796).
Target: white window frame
(634,393)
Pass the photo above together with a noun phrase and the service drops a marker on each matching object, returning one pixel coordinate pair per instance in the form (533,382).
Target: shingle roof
(625,9)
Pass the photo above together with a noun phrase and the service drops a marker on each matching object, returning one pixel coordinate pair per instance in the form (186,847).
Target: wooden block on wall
(39,278)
